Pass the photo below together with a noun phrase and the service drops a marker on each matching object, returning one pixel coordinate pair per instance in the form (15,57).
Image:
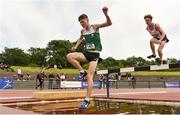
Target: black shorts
(91,56)
(164,39)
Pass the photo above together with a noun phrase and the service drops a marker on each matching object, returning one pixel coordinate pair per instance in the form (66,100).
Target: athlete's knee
(151,41)
(69,56)
(90,76)
(159,50)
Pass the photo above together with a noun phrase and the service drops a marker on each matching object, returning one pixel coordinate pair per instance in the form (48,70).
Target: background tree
(37,56)
(110,63)
(15,56)
(57,51)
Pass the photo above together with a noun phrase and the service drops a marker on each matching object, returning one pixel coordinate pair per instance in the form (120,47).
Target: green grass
(1,70)
(156,73)
(75,71)
(52,70)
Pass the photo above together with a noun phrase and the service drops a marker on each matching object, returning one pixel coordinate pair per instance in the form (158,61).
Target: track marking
(2,98)
(133,93)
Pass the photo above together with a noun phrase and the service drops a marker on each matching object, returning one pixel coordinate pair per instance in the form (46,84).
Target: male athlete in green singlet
(90,34)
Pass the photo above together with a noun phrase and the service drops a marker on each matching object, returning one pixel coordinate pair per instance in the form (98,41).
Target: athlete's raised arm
(108,20)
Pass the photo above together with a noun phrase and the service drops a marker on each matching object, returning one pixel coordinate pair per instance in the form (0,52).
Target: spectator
(133,81)
(40,78)
(51,77)
(116,77)
(5,66)
(119,76)
(104,82)
(63,77)
(1,66)
(101,80)
(112,77)
(28,76)
(128,75)
(19,74)
(58,81)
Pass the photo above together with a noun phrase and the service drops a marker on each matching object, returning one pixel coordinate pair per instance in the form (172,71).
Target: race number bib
(90,46)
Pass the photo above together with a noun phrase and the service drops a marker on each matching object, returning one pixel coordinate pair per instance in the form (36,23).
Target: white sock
(87,99)
(82,71)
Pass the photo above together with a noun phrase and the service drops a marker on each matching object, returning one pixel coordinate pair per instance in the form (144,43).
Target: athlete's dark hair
(82,16)
(148,16)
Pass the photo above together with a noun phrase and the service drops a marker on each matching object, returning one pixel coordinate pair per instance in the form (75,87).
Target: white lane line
(133,93)
(2,98)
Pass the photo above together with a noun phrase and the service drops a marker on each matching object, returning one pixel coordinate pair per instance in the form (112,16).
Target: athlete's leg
(152,46)
(90,75)
(91,71)
(76,57)
(160,48)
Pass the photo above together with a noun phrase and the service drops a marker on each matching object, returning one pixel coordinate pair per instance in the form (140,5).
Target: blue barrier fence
(6,83)
(96,84)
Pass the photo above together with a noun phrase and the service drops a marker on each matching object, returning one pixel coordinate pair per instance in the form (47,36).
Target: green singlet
(92,40)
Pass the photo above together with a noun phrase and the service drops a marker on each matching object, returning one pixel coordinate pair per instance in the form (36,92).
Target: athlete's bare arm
(108,20)
(158,28)
(79,41)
